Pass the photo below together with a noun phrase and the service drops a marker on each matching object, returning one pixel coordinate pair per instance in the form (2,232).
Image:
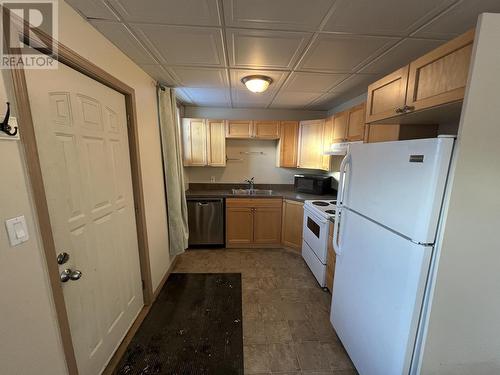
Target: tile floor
(286,326)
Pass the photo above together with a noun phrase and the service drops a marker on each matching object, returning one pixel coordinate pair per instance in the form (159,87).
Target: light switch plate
(17,230)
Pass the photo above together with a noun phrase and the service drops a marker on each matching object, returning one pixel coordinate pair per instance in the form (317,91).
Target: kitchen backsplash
(253,159)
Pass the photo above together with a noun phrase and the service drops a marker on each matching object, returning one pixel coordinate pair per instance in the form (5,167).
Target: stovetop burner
(331,212)
(320,203)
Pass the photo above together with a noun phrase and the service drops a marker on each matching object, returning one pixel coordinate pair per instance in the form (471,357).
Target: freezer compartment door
(378,292)
(400,184)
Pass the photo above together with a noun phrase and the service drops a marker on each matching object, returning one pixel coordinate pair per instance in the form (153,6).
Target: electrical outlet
(212,178)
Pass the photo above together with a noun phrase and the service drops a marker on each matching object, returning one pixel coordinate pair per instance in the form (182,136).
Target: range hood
(338,148)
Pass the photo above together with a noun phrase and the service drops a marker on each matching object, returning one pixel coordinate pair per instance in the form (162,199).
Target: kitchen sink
(252,192)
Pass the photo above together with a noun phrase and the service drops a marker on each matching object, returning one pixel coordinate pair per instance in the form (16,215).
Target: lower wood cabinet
(293,218)
(253,222)
(239,226)
(330,261)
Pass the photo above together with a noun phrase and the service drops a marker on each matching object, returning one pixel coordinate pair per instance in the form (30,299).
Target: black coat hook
(4,126)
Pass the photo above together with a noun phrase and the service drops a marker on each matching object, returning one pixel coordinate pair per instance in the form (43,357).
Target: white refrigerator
(388,212)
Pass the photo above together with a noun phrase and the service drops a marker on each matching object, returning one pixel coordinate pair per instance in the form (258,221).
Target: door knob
(68,274)
(62,258)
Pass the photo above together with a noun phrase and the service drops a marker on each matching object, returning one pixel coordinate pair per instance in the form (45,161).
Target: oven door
(315,234)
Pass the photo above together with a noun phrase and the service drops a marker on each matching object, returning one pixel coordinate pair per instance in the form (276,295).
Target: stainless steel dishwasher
(206,221)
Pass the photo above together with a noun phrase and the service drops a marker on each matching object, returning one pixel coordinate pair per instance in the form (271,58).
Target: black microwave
(313,184)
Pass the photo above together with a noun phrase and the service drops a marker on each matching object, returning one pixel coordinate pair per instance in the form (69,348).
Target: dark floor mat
(194,327)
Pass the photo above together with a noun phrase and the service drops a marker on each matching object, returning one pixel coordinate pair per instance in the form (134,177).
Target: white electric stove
(317,215)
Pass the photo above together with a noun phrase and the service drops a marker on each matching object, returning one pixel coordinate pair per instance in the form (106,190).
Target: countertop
(285,194)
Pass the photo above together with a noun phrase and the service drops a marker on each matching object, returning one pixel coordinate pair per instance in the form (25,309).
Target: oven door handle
(337,243)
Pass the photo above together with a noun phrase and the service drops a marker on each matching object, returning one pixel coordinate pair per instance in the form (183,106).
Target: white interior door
(81,134)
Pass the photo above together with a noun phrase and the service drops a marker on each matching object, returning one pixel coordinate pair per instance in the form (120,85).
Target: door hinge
(143,284)
(128,118)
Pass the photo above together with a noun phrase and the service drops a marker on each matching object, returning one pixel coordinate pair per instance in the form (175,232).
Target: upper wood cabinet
(310,153)
(266,129)
(288,144)
(356,123)
(330,261)
(239,129)
(387,96)
(436,79)
(216,143)
(440,76)
(327,141)
(340,123)
(203,142)
(194,142)
(349,125)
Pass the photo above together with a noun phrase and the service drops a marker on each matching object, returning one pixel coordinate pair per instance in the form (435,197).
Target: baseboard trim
(165,277)
(120,351)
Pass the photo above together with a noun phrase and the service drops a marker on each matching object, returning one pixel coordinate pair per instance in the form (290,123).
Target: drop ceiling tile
(325,102)
(248,99)
(355,85)
(276,14)
(313,82)
(208,96)
(401,55)
(93,9)
(343,53)
(121,37)
(200,77)
(265,49)
(182,96)
(383,17)
(458,19)
(278,78)
(172,12)
(179,45)
(293,99)
(157,72)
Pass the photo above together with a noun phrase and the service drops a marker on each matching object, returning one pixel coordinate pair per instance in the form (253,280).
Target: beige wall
(464,321)
(29,337)
(262,167)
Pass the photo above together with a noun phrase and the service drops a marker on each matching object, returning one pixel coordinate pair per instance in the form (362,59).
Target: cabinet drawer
(254,202)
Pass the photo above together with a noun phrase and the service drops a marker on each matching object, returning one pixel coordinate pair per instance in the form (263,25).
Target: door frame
(28,141)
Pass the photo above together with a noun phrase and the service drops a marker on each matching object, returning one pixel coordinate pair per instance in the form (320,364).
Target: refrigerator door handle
(336,224)
(336,227)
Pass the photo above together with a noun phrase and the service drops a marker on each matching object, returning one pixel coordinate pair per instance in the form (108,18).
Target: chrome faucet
(250,183)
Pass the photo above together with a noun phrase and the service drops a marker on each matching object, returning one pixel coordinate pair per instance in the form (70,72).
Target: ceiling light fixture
(257,83)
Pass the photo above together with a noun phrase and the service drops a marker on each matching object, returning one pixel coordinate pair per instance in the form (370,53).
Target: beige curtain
(173,171)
